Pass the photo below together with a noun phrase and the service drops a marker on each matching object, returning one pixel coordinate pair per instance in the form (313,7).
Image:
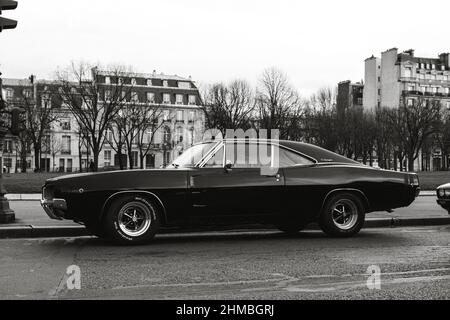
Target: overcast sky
(317,43)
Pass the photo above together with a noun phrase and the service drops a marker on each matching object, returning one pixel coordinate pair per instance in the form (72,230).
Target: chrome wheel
(134,218)
(345,214)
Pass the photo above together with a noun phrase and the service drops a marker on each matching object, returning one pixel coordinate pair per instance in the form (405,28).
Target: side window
(288,158)
(216,160)
(248,155)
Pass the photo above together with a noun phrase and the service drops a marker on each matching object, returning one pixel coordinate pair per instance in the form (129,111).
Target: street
(414,264)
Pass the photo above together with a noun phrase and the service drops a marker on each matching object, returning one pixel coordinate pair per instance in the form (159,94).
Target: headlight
(447,192)
(441,193)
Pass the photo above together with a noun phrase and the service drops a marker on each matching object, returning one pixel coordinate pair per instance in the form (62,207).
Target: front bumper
(54,208)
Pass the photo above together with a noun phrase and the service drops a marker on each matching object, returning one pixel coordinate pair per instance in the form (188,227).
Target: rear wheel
(342,216)
(132,220)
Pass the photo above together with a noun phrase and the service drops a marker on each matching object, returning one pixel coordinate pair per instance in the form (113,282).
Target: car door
(241,191)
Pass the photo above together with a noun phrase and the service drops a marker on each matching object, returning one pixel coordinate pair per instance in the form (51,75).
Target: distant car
(443,196)
(213,183)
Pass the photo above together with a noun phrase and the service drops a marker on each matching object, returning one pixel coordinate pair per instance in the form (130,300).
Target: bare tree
(228,106)
(94,105)
(39,115)
(413,124)
(146,130)
(320,119)
(55,146)
(275,99)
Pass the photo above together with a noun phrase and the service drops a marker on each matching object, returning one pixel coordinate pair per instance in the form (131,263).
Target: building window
(433,66)
(7,162)
(66,145)
(408,72)
(149,82)
(434,89)
(134,158)
(448,105)
(191,116)
(134,96)
(133,81)
(107,80)
(7,146)
(192,99)
(179,99)
(184,85)
(166,135)
(447,90)
(107,155)
(166,98)
(65,124)
(27,93)
(166,115)
(120,81)
(108,95)
(179,135)
(150,97)
(410,102)
(165,83)
(411,88)
(180,115)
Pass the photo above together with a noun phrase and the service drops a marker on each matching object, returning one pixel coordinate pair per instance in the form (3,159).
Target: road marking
(199,284)
(337,286)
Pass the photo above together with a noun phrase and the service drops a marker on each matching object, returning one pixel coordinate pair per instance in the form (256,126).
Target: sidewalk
(31,220)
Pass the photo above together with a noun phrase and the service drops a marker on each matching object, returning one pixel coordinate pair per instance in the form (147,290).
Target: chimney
(154,72)
(409,52)
(444,57)
(32,78)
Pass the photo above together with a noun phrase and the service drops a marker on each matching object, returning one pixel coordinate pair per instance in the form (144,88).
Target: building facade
(349,95)
(397,76)
(398,79)
(180,123)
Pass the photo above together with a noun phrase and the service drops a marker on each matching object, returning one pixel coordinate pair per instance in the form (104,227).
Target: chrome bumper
(54,208)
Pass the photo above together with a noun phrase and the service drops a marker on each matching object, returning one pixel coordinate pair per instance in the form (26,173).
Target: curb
(30,231)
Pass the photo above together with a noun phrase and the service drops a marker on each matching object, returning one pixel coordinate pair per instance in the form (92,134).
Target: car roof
(321,155)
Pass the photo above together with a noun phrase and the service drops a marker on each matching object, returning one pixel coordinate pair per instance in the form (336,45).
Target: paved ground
(415,264)
(30,212)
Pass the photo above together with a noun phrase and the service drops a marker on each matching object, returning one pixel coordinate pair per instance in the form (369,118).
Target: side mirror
(228,165)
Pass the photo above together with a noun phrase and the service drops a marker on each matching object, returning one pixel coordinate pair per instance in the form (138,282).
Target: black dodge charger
(283,183)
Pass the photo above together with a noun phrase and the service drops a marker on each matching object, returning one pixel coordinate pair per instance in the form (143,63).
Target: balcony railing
(425,94)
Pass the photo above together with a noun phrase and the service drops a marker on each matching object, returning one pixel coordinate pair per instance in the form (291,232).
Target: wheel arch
(146,194)
(360,194)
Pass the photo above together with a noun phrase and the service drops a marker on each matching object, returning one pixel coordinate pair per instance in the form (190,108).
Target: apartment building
(181,122)
(398,78)
(349,95)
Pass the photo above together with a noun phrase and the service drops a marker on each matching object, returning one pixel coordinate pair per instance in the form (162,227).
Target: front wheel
(132,220)
(342,216)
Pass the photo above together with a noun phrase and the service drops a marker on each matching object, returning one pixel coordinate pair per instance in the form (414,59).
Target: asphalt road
(414,264)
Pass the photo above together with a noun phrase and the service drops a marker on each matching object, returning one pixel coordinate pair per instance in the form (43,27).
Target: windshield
(193,155)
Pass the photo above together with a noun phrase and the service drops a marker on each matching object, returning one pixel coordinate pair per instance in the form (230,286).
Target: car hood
(120,180)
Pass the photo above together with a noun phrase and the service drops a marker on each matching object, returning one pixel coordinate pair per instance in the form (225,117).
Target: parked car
(443,196)
(224,183)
